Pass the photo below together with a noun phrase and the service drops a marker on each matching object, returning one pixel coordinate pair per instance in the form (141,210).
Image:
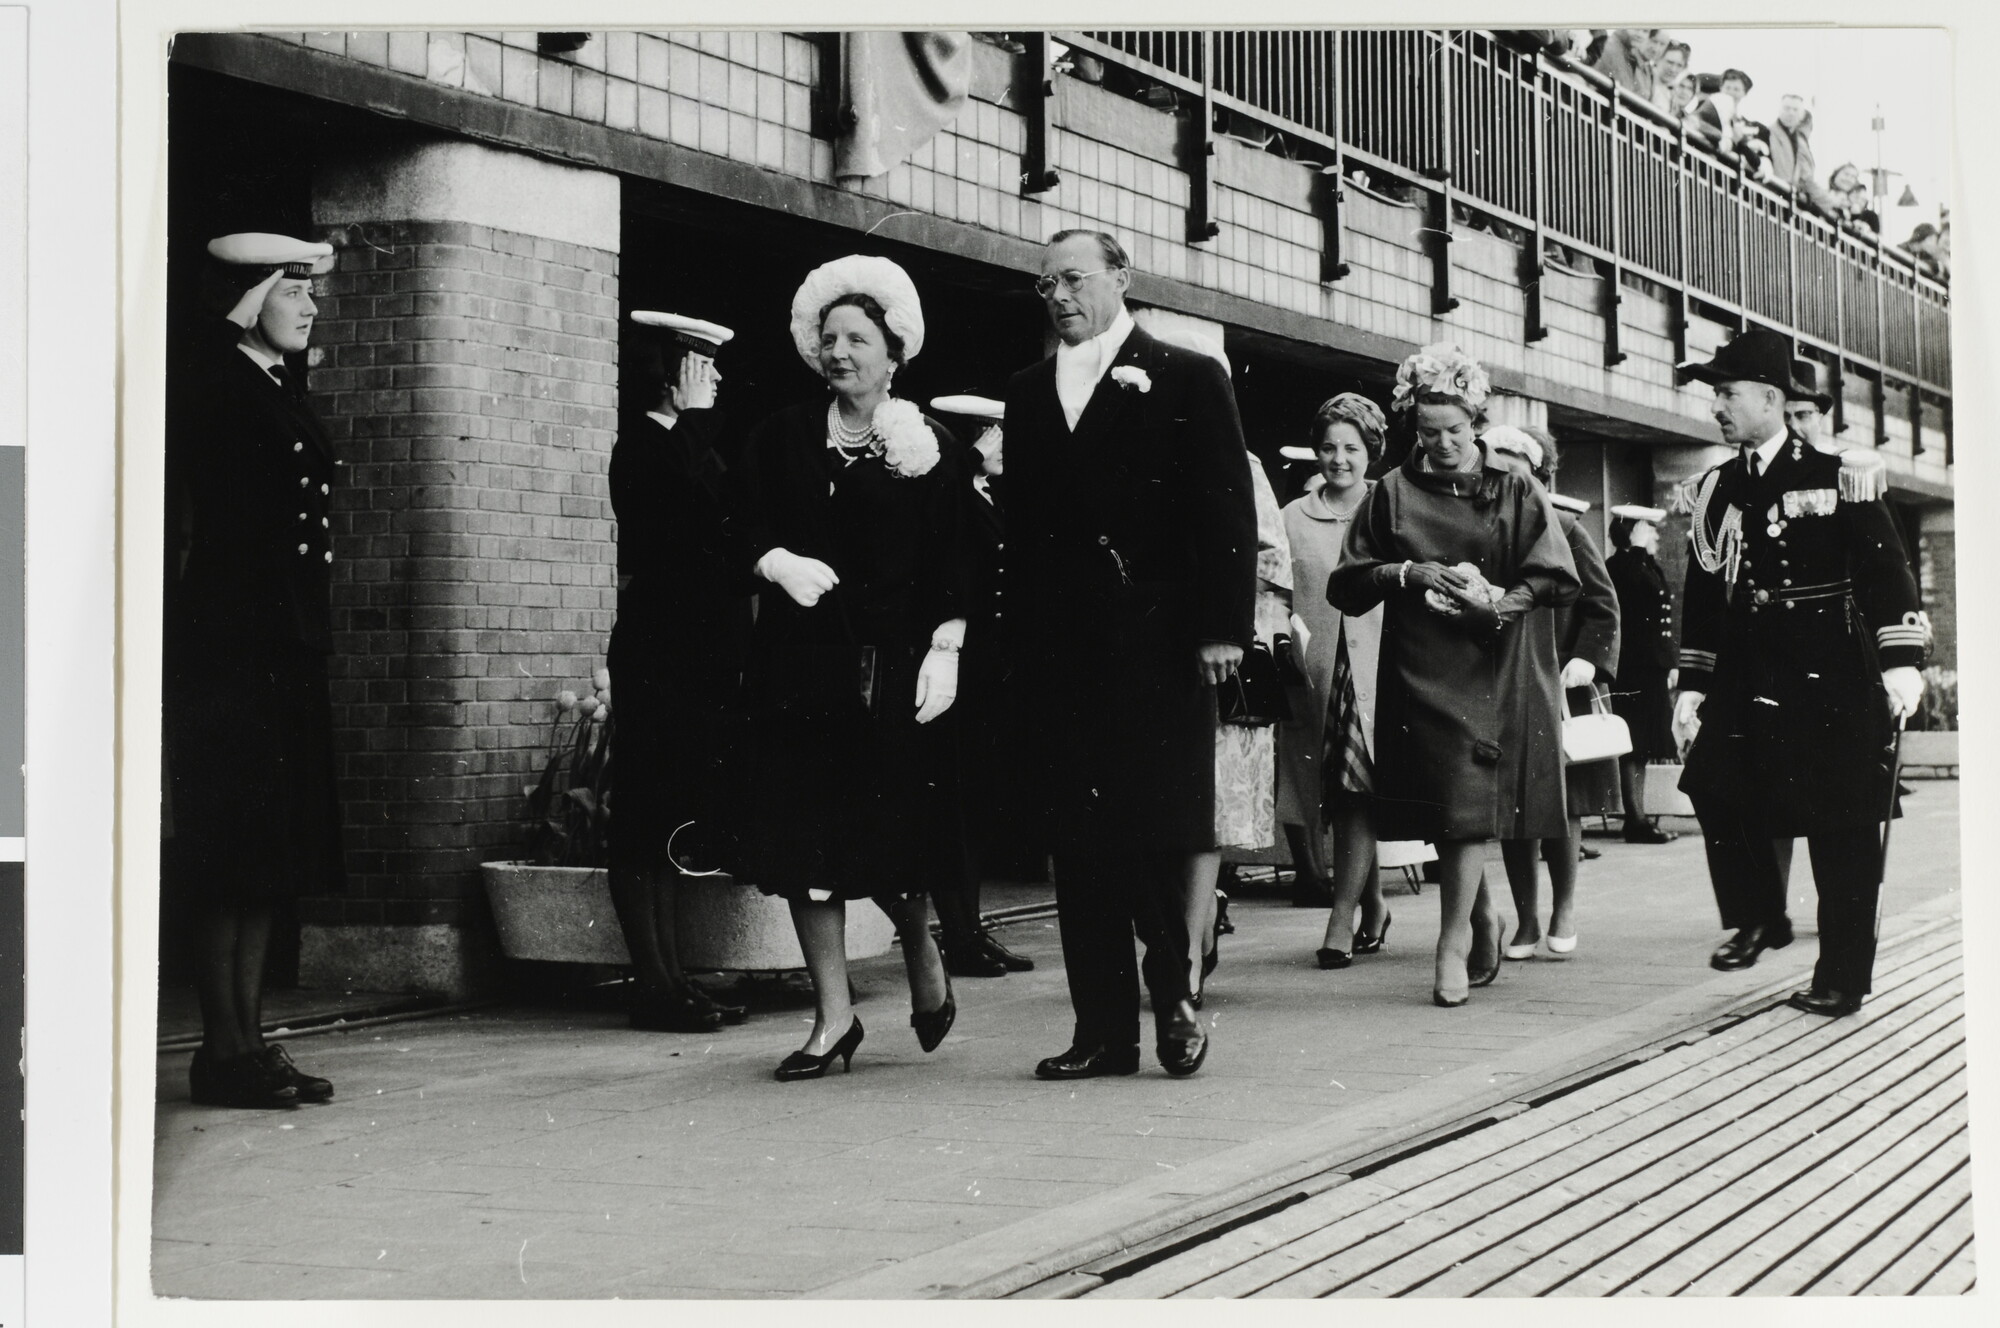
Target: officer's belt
(1825,590)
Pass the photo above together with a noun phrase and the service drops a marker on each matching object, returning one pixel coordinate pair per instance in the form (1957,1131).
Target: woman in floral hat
(1458,548)
(854,515)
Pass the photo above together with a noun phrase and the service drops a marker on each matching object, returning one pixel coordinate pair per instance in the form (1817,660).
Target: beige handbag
(1597,736)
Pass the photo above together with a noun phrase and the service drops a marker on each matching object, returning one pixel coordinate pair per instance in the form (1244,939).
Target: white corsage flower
(909,448)
(1131,376)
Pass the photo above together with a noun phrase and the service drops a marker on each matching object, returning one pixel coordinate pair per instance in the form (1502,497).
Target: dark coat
(679,646)
(851,794)
(1645,613)
(1588,630)
(1133,540)
(1467,734)
(248,626)
(1796,732)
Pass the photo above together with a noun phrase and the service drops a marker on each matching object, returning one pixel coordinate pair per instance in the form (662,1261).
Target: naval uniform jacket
(248,627)
(1132,540)
(1796,732)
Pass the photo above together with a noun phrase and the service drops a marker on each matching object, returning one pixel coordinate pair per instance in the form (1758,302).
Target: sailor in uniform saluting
(1800,644)
(247,630)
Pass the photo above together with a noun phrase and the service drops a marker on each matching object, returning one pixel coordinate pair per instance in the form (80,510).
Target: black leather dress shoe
(1089,1063)
(1181,1046)
(1829,1003)
(240,1081)
(1645,832)
(1742,949)
(311,1088)
(1016,963)
(970,959)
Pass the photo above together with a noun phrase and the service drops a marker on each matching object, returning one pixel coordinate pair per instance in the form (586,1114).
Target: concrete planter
(565,914)
(1927,751)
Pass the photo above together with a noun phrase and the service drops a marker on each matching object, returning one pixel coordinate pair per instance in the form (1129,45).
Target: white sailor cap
(1634,512)
(697,335)
(978,408)
(1569,504)
(1298,454)
(255,261)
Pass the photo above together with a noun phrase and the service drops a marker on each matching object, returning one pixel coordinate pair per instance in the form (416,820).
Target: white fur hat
(860,274)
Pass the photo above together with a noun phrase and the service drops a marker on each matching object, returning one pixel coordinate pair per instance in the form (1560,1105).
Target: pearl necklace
(849,441)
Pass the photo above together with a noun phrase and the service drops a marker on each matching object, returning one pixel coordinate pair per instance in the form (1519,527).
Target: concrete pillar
(467,367)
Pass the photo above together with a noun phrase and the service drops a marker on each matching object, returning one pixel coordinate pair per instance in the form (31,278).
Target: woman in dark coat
(247,718)
(1459,550)
(1584,636)
(1646,661)
(677,656)
(855,514)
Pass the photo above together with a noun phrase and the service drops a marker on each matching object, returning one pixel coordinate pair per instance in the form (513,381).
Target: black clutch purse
(1255,697)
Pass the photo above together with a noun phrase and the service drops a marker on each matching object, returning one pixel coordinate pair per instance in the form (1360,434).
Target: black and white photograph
(1117,663)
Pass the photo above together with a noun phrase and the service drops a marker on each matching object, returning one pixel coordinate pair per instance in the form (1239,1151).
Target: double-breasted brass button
(298,447)
(1791,604)
(1763,597)
(302,548)
(329,555)
(303,481)
(1103,540)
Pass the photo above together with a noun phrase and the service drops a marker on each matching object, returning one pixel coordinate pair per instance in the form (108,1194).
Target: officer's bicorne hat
(1809,384)
(1756,356)
(690,334)
(248,263)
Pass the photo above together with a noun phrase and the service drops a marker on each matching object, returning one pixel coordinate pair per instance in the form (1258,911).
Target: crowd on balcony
(1653,67)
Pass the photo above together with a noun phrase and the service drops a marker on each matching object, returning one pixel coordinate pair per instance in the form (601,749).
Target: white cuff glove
(1578,673)
(1301,635)
(804,579)
(1906,688)
(1687,719)
(937,684)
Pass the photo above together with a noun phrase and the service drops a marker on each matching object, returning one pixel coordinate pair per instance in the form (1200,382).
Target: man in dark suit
(1129,590)
(1800,646)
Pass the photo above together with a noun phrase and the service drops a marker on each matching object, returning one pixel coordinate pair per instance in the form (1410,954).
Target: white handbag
(1597,736)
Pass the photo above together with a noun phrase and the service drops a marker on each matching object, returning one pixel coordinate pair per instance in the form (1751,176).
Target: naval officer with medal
(1801,640)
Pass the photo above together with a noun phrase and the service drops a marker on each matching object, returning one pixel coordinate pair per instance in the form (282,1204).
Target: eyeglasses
(1072,282)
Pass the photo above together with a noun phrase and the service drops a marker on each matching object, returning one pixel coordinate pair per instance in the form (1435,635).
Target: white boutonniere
(909,448)
(1130,377)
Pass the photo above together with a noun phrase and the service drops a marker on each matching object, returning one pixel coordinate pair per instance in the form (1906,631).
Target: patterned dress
(1246,759)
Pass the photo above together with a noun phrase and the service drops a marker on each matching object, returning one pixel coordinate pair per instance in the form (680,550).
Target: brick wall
(468,375)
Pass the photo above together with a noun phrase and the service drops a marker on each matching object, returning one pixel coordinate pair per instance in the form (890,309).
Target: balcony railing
(1544,148)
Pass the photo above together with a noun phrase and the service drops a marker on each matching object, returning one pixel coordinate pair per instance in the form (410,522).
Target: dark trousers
(1749,881)
(1101,900)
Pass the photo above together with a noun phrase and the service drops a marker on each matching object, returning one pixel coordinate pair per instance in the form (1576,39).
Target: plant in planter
(556,904)
(571,805)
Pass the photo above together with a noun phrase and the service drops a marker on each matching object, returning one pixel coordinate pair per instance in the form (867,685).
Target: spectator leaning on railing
(1628,57)
(1712,116)
(1670,75)
(1792,156)
(1932,250)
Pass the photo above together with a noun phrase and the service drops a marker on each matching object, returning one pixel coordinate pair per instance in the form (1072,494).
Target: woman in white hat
(248,626)
(855,515)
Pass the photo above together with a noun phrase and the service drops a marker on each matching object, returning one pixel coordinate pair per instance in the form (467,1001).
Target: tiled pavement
(550,1153)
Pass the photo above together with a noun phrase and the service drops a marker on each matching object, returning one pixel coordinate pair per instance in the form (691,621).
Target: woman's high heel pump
(801,1065)
(1372,943)
(932,1025)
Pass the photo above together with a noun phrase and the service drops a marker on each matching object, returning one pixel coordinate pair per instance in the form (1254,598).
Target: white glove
(1687,719)
(1578,673)
(804,579)
(1301,635)
(937,684)
(1905,687)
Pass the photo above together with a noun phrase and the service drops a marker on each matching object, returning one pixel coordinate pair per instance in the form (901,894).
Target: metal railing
(1541,146)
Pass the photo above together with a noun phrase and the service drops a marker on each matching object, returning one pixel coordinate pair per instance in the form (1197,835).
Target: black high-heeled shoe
(1485,976)
(801,1065)
(1370,943)
(1331,958)
(932,1025)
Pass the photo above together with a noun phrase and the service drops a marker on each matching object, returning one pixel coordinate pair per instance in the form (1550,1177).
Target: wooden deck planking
(1944,1212)
(1492,1217)
(1541,1257)
(1780,1128)
(1679,1244)
(1857,1190)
